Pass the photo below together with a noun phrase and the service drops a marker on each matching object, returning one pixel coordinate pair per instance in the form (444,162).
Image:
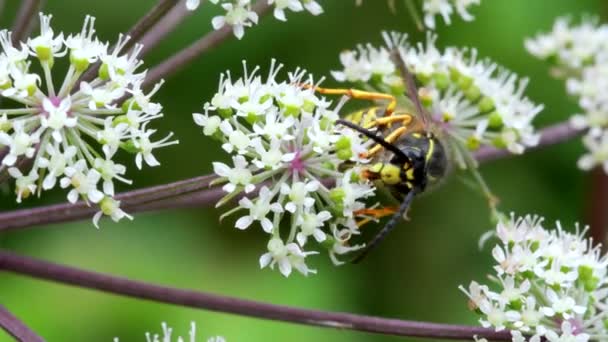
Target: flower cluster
(69,136)
(289,160)
(579,54)
(475,102)
(168,331)
(444,8)
(547,283)
(239,13)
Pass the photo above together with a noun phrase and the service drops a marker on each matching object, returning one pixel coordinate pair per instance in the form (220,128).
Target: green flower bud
(104,72)
(454,75)
(120,119)
(473,93)
(129,146)
(495,121)
(485,104)
(473,143)
(252,118)
(308,106)
(325,123)
(291,111)
(464,82)
(337,195)
(44,53)
(7,84)
(425,79)
(5,126)
(80,64)
(225,113)
(442,81)
(343,143)
(344,154)
(499,142)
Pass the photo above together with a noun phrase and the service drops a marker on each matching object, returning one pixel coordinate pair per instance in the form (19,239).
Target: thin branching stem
(163,27)
(103,282)
(27,13)
(187,55)
(597,204)
(150,19)
(550,135)
(17,329)
(129,201)
(195,192)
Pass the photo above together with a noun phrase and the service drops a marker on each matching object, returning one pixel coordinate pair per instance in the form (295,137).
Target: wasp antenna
(387,228)
(374,137)
(412,90)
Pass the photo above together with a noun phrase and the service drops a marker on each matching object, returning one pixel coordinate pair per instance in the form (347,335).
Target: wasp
(408,156)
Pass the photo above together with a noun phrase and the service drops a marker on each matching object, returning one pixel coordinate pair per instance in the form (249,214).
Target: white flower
(46,45)
(258,210)
(210,124)
(65,131)
(281,5)
(110,207)
(56,164)
(145,147)
(240,175)
(311,224)
(192,5)
(556,285)
(445,8)
(578,54)
(84,182)
(298,195)
(20,143)
(597,147)
(474,101)
(568,335)
(286,256)
(237,140)
(56,117)
(238,15)
(24,185)
(109,171)
(562,305)
(167,335)
(287,155)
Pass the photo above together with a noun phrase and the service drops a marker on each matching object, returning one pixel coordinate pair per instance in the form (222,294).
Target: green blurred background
(415,273)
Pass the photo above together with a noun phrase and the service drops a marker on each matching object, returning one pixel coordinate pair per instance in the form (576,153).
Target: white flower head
(288,149)
(72,133)
(473,101)
(550,284)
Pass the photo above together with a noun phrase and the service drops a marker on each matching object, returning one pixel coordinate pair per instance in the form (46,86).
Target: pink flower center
(297,164)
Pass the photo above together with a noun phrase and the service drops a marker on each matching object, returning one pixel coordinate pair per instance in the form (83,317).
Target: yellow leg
(360,95)
(391,138)
(374,213)
(404,119)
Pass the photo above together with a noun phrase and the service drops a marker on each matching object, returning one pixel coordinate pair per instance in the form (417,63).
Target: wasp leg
(359,95)
(403,119)
(391,138)
(374,214)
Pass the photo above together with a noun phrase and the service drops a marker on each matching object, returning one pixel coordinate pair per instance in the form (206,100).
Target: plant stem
(129,200)
(26,14)
(163,27)
(550,135)
(597,215)
(209,41)
(188,298)
(138,30)
(194,192)
(17,329)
